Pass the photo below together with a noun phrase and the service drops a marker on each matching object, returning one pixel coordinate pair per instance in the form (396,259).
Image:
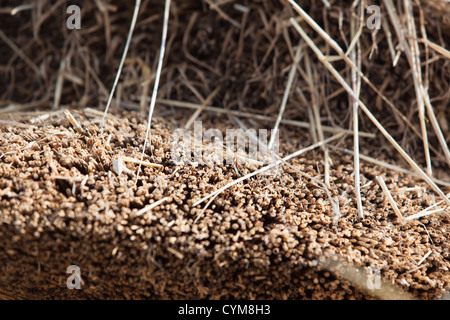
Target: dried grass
(236,59)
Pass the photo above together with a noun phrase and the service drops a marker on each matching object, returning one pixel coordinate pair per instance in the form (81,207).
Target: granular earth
(269,237)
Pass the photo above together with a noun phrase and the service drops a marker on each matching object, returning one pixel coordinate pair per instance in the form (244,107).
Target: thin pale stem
(122,61)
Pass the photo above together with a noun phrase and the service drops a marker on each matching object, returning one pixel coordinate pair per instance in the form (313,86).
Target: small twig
(355,56)
(388,33)
(287,90)
(150,207)
(424,213)
(15,124)
(144,163)
(436,47)
(176,253)
(122,60)
(223,14)
(157,78)
(22,7)
(59,85)
(424,257)
(415,269)
(388,195)
(73,122)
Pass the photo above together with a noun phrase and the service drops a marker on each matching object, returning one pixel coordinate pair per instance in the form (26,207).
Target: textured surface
(61,203)
(264,238)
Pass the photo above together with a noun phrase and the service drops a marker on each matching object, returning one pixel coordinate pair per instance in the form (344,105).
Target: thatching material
(62,201)
(271,237)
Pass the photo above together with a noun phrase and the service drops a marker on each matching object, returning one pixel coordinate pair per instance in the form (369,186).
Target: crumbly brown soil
(62,204)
